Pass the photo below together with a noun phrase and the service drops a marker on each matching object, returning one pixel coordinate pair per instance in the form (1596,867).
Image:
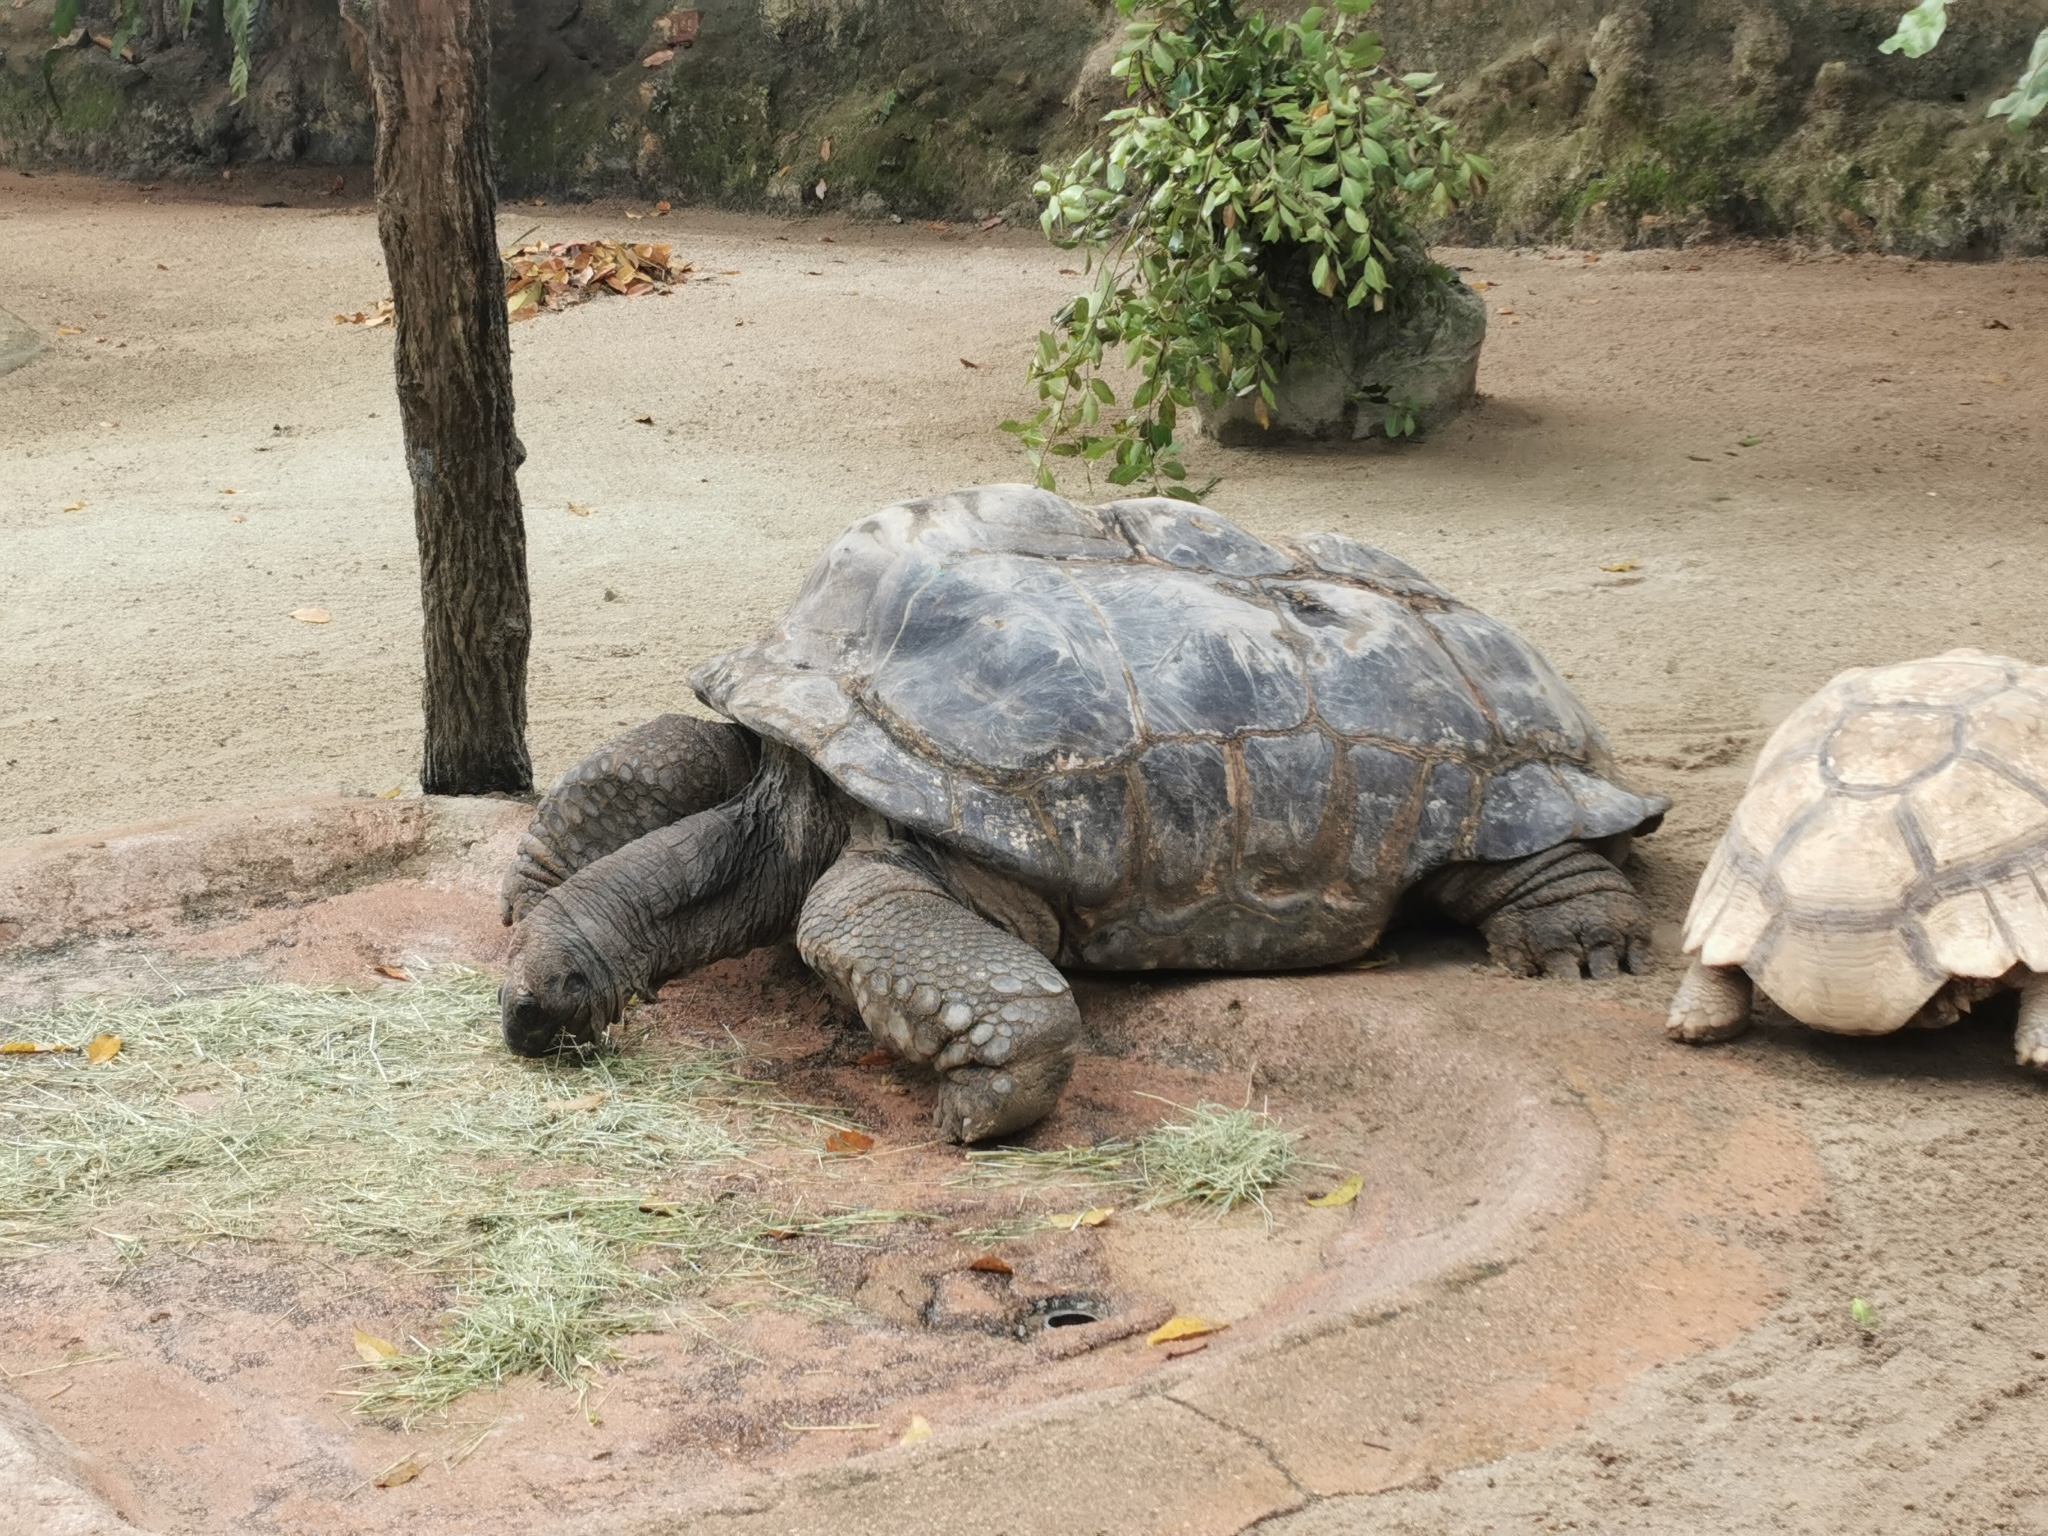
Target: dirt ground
(1798,464)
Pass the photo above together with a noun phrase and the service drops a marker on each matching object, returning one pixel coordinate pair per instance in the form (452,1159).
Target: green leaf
(2030,95)
(64,18)
(1863,1314)
(1919,29)
(1321,277)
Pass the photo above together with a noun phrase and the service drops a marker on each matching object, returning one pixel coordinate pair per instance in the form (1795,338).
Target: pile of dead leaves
(542,276)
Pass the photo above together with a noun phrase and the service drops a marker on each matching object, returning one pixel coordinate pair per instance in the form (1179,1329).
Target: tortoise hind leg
(1713,1003)
(2030,1040)
(651,777)
(940,986)
(1554,912)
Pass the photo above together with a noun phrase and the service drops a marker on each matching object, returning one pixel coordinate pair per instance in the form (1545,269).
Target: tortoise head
(561,991)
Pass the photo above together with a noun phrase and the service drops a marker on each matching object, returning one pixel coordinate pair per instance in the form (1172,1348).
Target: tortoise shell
(1892,837)
(1204,749)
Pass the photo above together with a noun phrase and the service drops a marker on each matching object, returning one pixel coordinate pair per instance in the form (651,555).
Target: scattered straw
(1215,1157)
(394,1124)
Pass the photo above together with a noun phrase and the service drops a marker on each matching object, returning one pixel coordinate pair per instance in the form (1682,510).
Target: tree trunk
(437,217)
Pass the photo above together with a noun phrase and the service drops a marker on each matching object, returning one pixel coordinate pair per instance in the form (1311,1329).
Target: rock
(1346,366)
(18,344)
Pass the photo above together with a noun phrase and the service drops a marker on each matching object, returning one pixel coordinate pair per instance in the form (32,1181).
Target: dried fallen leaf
(968,363)
(918,1432)
(1343,1194)
(103,1049)
(658,58)
(578,1105)
(825,151)
(849,1143)
(1479,285)
(664,207)
(661,1208)
(821,189)
(1175,1328)
(395,790)
(30,1048)
(993,221)
(312,615)
(1625,565)
(937,228)
(76,506)
(880,1057)
(1070,271)
(396,973)
(1095,1216)
(989,1264)
(645,421)
(579,509)
(679,29)
(398,1476)
(374,1351)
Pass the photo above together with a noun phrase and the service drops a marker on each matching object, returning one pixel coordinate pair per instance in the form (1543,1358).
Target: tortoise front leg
(651,777)
(940,986)
(2030,1040)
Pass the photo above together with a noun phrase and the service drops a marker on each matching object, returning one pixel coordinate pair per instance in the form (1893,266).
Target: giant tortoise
(999,733)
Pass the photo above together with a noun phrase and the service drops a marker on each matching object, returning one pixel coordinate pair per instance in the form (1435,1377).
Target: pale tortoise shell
(1893,835)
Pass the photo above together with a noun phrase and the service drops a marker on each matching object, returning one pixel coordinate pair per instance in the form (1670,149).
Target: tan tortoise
(1887,868)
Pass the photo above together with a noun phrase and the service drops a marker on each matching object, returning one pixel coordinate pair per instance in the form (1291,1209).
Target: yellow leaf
(1176,1328)
(393,792)
(1343,1194)
(76,506)
(577,1106)
(20,1048)
(404,1472)
(1095,1216)
(849,1143)
(375,1351)
(918,1433)
(103,1049)
(1626,565)
(579,509)
(312,615)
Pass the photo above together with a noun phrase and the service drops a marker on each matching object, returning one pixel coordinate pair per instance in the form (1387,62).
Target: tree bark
(437,217)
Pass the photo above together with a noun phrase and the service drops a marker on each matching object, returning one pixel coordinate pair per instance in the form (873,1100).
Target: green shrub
(1250,153)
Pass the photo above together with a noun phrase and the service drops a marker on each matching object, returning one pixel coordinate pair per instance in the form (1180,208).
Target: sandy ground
(1803,464)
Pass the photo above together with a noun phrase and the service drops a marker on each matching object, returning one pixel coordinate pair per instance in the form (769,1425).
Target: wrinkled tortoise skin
(1202,749)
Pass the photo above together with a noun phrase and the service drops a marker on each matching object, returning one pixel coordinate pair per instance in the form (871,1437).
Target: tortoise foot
(1713,1003)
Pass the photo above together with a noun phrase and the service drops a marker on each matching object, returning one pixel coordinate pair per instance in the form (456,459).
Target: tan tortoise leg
(2030,1040)
(1712,1004)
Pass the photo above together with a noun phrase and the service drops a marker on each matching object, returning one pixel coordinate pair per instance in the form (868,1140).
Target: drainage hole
(1070,1317)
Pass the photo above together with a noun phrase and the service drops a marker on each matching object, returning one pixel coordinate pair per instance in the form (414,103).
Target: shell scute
(1379,671)
(1203,658)
(1970,811)
(1532,707)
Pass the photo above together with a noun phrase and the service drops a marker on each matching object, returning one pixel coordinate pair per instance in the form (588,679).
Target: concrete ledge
(44,1489)
(59,889)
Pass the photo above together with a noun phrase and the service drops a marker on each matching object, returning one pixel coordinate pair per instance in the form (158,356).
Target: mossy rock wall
(930,107)
(1609,121)
(1627,123)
